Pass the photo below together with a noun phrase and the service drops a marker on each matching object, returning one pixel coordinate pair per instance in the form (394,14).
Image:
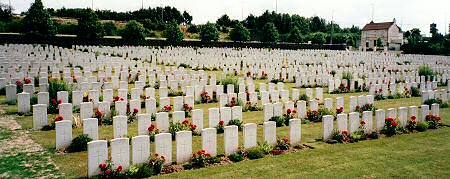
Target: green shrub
(33,99)
(230,80)
(415,92)
(255,153)
(427,72)
(303,97)
(421,126)
(265,147)
(79,143)
(236,157)
(54,86)
(279,120)
(237,123)
(347,75)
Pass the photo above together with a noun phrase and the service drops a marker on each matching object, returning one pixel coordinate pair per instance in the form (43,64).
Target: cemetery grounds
(28,153)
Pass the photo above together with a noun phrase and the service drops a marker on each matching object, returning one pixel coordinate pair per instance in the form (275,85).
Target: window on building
(367,44)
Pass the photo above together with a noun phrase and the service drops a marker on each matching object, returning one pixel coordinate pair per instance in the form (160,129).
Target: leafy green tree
(295,35)
(224,20)
(187,18)
(317,24)
(173,33)
(5,12)
(134,31)
(239,33)
(37,21)
(379,42)
(318,38)
(110,28)
(89,26)
(209,32)
(269,33)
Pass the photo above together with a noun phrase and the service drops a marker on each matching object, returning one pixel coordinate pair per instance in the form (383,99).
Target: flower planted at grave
(339,110)
(390,127)
(202,158)
(167,108)
(234,102)
(185,125)
(19,86)
(220,127)
(99,115)
(282,146)
(205,97)
(156,163)
(132,116)
(359,134)
(412,124)
(251,107)
(187,110)
(27,81)
(433,121)
(152,131)
(340,137)
(379,95)
(53,107)
(313,116)
(289,115)
(237,156)
(107,171)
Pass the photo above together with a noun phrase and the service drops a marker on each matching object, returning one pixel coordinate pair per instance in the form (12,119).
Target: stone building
(389,32)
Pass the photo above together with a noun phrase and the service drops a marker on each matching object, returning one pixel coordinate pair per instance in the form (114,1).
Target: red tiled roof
(377,26)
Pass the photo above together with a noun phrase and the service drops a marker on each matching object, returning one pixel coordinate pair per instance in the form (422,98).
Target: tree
(250,22)
(239,33)
(37,21)
(5,12)
(379,42)
(134,31)
(295,35)
(318,38)
(173,33)
(89,27)
(269,33)
(209,32)
(110,28)
(318,24)
(224,21)
(187,18)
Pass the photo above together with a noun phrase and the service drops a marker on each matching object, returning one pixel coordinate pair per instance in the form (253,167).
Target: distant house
(390,34)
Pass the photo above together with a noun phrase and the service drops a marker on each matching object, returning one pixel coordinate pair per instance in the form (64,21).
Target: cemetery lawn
(411,155)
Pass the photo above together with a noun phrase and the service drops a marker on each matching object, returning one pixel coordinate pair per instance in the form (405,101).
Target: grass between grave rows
(75,164)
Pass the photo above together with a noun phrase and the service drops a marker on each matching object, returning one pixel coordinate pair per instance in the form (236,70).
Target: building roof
(378,26)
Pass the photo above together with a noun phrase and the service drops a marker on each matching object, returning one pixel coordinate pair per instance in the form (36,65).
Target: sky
(408,13)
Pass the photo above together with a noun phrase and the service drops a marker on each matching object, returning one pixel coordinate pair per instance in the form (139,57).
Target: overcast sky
(409,13)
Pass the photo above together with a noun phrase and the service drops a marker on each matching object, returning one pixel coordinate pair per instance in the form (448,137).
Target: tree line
(437,44)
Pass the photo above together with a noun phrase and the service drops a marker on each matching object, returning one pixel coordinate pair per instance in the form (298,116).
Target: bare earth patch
(20,156)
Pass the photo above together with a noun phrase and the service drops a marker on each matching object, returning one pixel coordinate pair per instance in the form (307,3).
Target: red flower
(344,132)
(135,110)
(54,101)
(185,122)
(394,124)
(59,101)
(19,83)
(294,111)
(59,118)
(27,81)
(363,123)
(102,166)
(289,111)
(221,122)
(193,126)
(413,118)
(151,128)
(119,169)
(107,172)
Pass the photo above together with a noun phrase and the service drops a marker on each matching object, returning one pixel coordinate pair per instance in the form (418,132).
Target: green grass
(410,155)
(24,165)
(5,133)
